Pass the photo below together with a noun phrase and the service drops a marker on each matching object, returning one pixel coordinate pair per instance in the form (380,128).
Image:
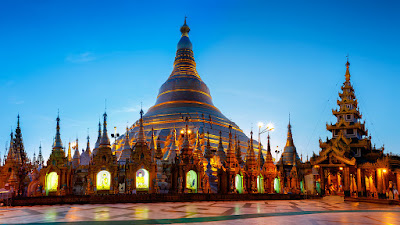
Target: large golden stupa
(183,95)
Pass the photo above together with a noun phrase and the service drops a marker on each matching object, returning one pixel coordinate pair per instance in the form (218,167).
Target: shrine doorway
(334,181)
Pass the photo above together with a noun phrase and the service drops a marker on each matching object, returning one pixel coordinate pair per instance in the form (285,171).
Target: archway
(191,181)
(239,183)
(260,184)
(142,180)
(51,182)
(103,181)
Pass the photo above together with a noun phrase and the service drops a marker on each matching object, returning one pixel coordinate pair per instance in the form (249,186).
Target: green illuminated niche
(260,184)
(277,185)
(239,183)
(191,181)
(51,182)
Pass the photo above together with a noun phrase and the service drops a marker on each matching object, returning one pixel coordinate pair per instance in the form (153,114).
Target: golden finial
(185,29)
(347,75)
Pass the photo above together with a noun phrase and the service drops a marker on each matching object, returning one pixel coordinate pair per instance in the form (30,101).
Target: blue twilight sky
(261,60)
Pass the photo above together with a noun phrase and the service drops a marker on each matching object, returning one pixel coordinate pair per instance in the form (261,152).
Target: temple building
(184,144)
(348,163)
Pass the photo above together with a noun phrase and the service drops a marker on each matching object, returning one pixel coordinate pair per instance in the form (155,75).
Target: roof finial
(185,29)
(347,75)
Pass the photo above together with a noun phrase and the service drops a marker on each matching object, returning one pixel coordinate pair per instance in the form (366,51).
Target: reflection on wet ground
(325,211)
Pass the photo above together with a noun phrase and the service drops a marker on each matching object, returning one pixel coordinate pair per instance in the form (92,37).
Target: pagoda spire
(238,151)
(57,140)
(33,160)
(231,161)
(172,149)
(10,154)
(141,137)
(97,144)
(126,151)
(250,156)
(40,156)
(208,151)
(198,151)
(153,145)
(69,156)
(187,150)
(18,146)
(185,29)
(347,75)
(220,151)
(104,139)
(289,141)
(268,157)
(88,146)
(260,160)
(159,153)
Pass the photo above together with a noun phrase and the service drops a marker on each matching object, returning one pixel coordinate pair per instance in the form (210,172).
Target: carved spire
(88,146)
(198,151)
(153,146)
(260,160)
(57,140)
(220,151)
(171,152)
(69,156)
(141,135)
(159,153)
(104,139)
(18,149)
(250,156)
(185,29)
(208,151)
(289,141)
(97,145)
(347,75)
(40,156)
(231,161)
(187,150)
(268,157)
(126,150)
(238,151)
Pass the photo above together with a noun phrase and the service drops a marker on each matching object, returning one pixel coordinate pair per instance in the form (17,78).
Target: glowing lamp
(260,124)
(384,170)
(340,168)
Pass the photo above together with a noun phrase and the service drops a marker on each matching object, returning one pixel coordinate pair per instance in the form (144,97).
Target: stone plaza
(329,210)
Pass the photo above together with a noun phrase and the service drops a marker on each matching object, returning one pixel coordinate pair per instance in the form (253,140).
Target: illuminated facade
(184,144)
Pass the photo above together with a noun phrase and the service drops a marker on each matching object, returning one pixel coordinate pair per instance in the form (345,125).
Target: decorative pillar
(346,178)
(397,180)
(359,183)
(379,182)
(322,180)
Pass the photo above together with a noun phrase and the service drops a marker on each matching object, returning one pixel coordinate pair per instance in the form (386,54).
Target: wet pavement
(331,210)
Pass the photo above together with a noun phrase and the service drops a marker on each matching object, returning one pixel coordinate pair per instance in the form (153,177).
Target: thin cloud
(130,109)
(81,58)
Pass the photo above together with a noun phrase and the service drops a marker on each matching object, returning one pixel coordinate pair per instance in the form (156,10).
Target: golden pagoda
(184,94)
